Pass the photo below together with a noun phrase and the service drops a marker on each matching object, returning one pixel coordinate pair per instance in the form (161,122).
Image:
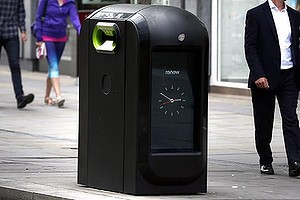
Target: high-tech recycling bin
(143,100)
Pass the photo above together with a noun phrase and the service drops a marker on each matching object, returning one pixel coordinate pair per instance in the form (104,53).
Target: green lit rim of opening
(101,30)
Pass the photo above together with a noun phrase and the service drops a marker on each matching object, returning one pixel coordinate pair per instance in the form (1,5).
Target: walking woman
(51,23)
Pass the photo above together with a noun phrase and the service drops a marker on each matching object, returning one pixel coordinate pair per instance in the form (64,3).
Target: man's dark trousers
(12,45)
(264,102)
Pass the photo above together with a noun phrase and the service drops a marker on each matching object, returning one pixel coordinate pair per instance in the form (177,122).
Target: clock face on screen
(172,100)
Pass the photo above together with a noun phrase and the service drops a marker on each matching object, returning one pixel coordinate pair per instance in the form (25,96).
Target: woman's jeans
(54,53)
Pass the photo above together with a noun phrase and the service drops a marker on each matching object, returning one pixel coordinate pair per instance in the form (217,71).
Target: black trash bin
(143,73)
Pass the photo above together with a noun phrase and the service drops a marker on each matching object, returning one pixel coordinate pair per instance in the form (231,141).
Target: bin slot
(105,37)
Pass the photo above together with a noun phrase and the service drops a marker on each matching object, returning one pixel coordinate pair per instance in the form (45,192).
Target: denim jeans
(54,53)
(12,48)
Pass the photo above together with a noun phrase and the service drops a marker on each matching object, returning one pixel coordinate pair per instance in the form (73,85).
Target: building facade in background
(224,19)
(228,64)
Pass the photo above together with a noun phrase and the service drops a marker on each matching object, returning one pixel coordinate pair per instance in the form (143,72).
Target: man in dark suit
(273,56)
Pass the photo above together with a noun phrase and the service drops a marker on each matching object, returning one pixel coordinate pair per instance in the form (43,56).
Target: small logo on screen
(181,37)
(172,72)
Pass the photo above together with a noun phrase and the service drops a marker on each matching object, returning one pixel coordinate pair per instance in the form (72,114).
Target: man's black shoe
(26,99)
(294,169)
(267,169)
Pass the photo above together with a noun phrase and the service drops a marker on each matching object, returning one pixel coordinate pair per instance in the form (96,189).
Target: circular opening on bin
(105,37)
(98,39)
(106,84)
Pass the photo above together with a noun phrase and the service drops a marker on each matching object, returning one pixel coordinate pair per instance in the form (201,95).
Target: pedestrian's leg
(59,50)
(56,86)
(288,100)
(12,49)
(53,56)
(52,69)
(263,110)
(48,99)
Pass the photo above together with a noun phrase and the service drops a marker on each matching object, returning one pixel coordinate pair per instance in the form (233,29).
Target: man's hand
(262,83)
(24,36)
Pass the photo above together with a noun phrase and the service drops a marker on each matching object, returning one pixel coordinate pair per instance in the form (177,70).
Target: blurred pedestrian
(51,26)
(273,56)
(12,18)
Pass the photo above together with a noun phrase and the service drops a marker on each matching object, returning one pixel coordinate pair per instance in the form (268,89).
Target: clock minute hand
(177,100)
(162,94)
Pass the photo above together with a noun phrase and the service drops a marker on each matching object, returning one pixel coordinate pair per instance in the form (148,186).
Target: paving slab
(38,149)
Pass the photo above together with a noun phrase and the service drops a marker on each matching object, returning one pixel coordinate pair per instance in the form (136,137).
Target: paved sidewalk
(38,149)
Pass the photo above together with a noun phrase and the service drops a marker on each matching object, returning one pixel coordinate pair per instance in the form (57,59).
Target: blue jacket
(55,23)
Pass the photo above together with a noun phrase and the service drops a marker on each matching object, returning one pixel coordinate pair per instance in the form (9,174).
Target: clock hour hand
(167,102)
(172,101)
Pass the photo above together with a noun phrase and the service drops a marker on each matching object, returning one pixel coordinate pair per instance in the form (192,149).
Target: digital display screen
(172,101)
